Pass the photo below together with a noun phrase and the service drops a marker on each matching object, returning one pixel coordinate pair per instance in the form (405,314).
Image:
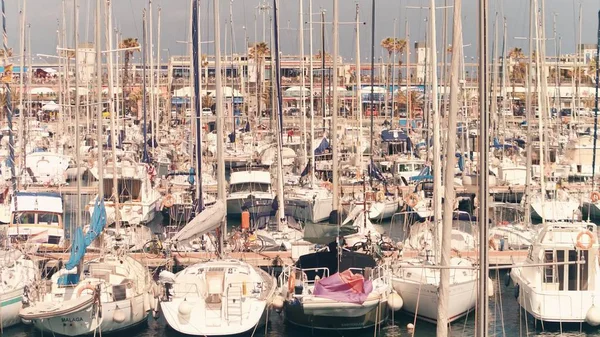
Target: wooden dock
(263,259)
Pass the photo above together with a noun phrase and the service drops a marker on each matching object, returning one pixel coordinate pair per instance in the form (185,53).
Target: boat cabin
(572,255)
(37,217)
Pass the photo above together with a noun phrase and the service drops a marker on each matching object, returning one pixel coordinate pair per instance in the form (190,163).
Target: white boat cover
(206,221)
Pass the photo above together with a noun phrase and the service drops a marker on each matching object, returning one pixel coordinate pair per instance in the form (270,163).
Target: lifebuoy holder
(86,287)
(412,200)
(591,240)
(168,200)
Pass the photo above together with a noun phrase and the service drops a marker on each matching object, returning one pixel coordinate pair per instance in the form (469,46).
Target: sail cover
(344,287)
(81,242)
(208,220)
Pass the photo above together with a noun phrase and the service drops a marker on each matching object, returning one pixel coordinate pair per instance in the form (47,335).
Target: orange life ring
(585,246)
(86,287)
(595,196)
(291,282)
(168,201)
(412,200)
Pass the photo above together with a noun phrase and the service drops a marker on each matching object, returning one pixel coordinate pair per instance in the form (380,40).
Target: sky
(391,18)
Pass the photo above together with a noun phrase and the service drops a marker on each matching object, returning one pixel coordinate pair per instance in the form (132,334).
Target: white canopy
(41,91)
(51,106)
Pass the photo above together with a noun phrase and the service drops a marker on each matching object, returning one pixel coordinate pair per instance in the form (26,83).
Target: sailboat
(17,275)
(330,290)
(565,288)
(418,285)
(310,201)
(222,296)
(108,294)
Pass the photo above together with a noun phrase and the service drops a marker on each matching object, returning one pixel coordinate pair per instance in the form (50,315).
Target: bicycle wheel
(152,249)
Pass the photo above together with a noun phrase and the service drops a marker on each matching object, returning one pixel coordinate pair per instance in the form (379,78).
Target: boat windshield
(249,187)
(33,218)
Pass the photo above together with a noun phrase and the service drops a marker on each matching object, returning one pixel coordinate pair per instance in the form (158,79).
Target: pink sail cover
(344,287)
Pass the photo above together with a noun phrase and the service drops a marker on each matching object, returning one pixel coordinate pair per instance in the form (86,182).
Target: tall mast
(312,96)
(596,104)
(22,135)
(117,107)
(494,102)
(9,113)
(77,146)
(158,72)
(530,115)
(279,110)
(359,154)
(437,167)
(323,68)
(221,195)
(99,121)
(335,111)
(111,109)
(302,78)
(372,104)
(195,61)
(449,193)
(408,95)
(145,158)
(148,46)
(482,293)
(387,90)
(540,102)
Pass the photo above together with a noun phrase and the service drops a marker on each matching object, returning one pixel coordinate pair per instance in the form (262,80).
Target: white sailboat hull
(422,299)
(554,306)
(89,319)
(383,209)
(308,209)
(10,305)
(134,213)
(213,322)
(261,202)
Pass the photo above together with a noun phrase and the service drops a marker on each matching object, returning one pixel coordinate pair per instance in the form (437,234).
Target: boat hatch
(571,273)
(215,281)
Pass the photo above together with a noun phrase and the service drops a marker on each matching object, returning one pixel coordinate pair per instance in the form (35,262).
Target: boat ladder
(234,303)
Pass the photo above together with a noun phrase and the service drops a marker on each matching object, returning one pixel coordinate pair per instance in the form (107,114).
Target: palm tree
(10,52)
(392,45)
(319,56)
(207,101)
(516,53)
(258,53)
(128,43)
(519,69)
